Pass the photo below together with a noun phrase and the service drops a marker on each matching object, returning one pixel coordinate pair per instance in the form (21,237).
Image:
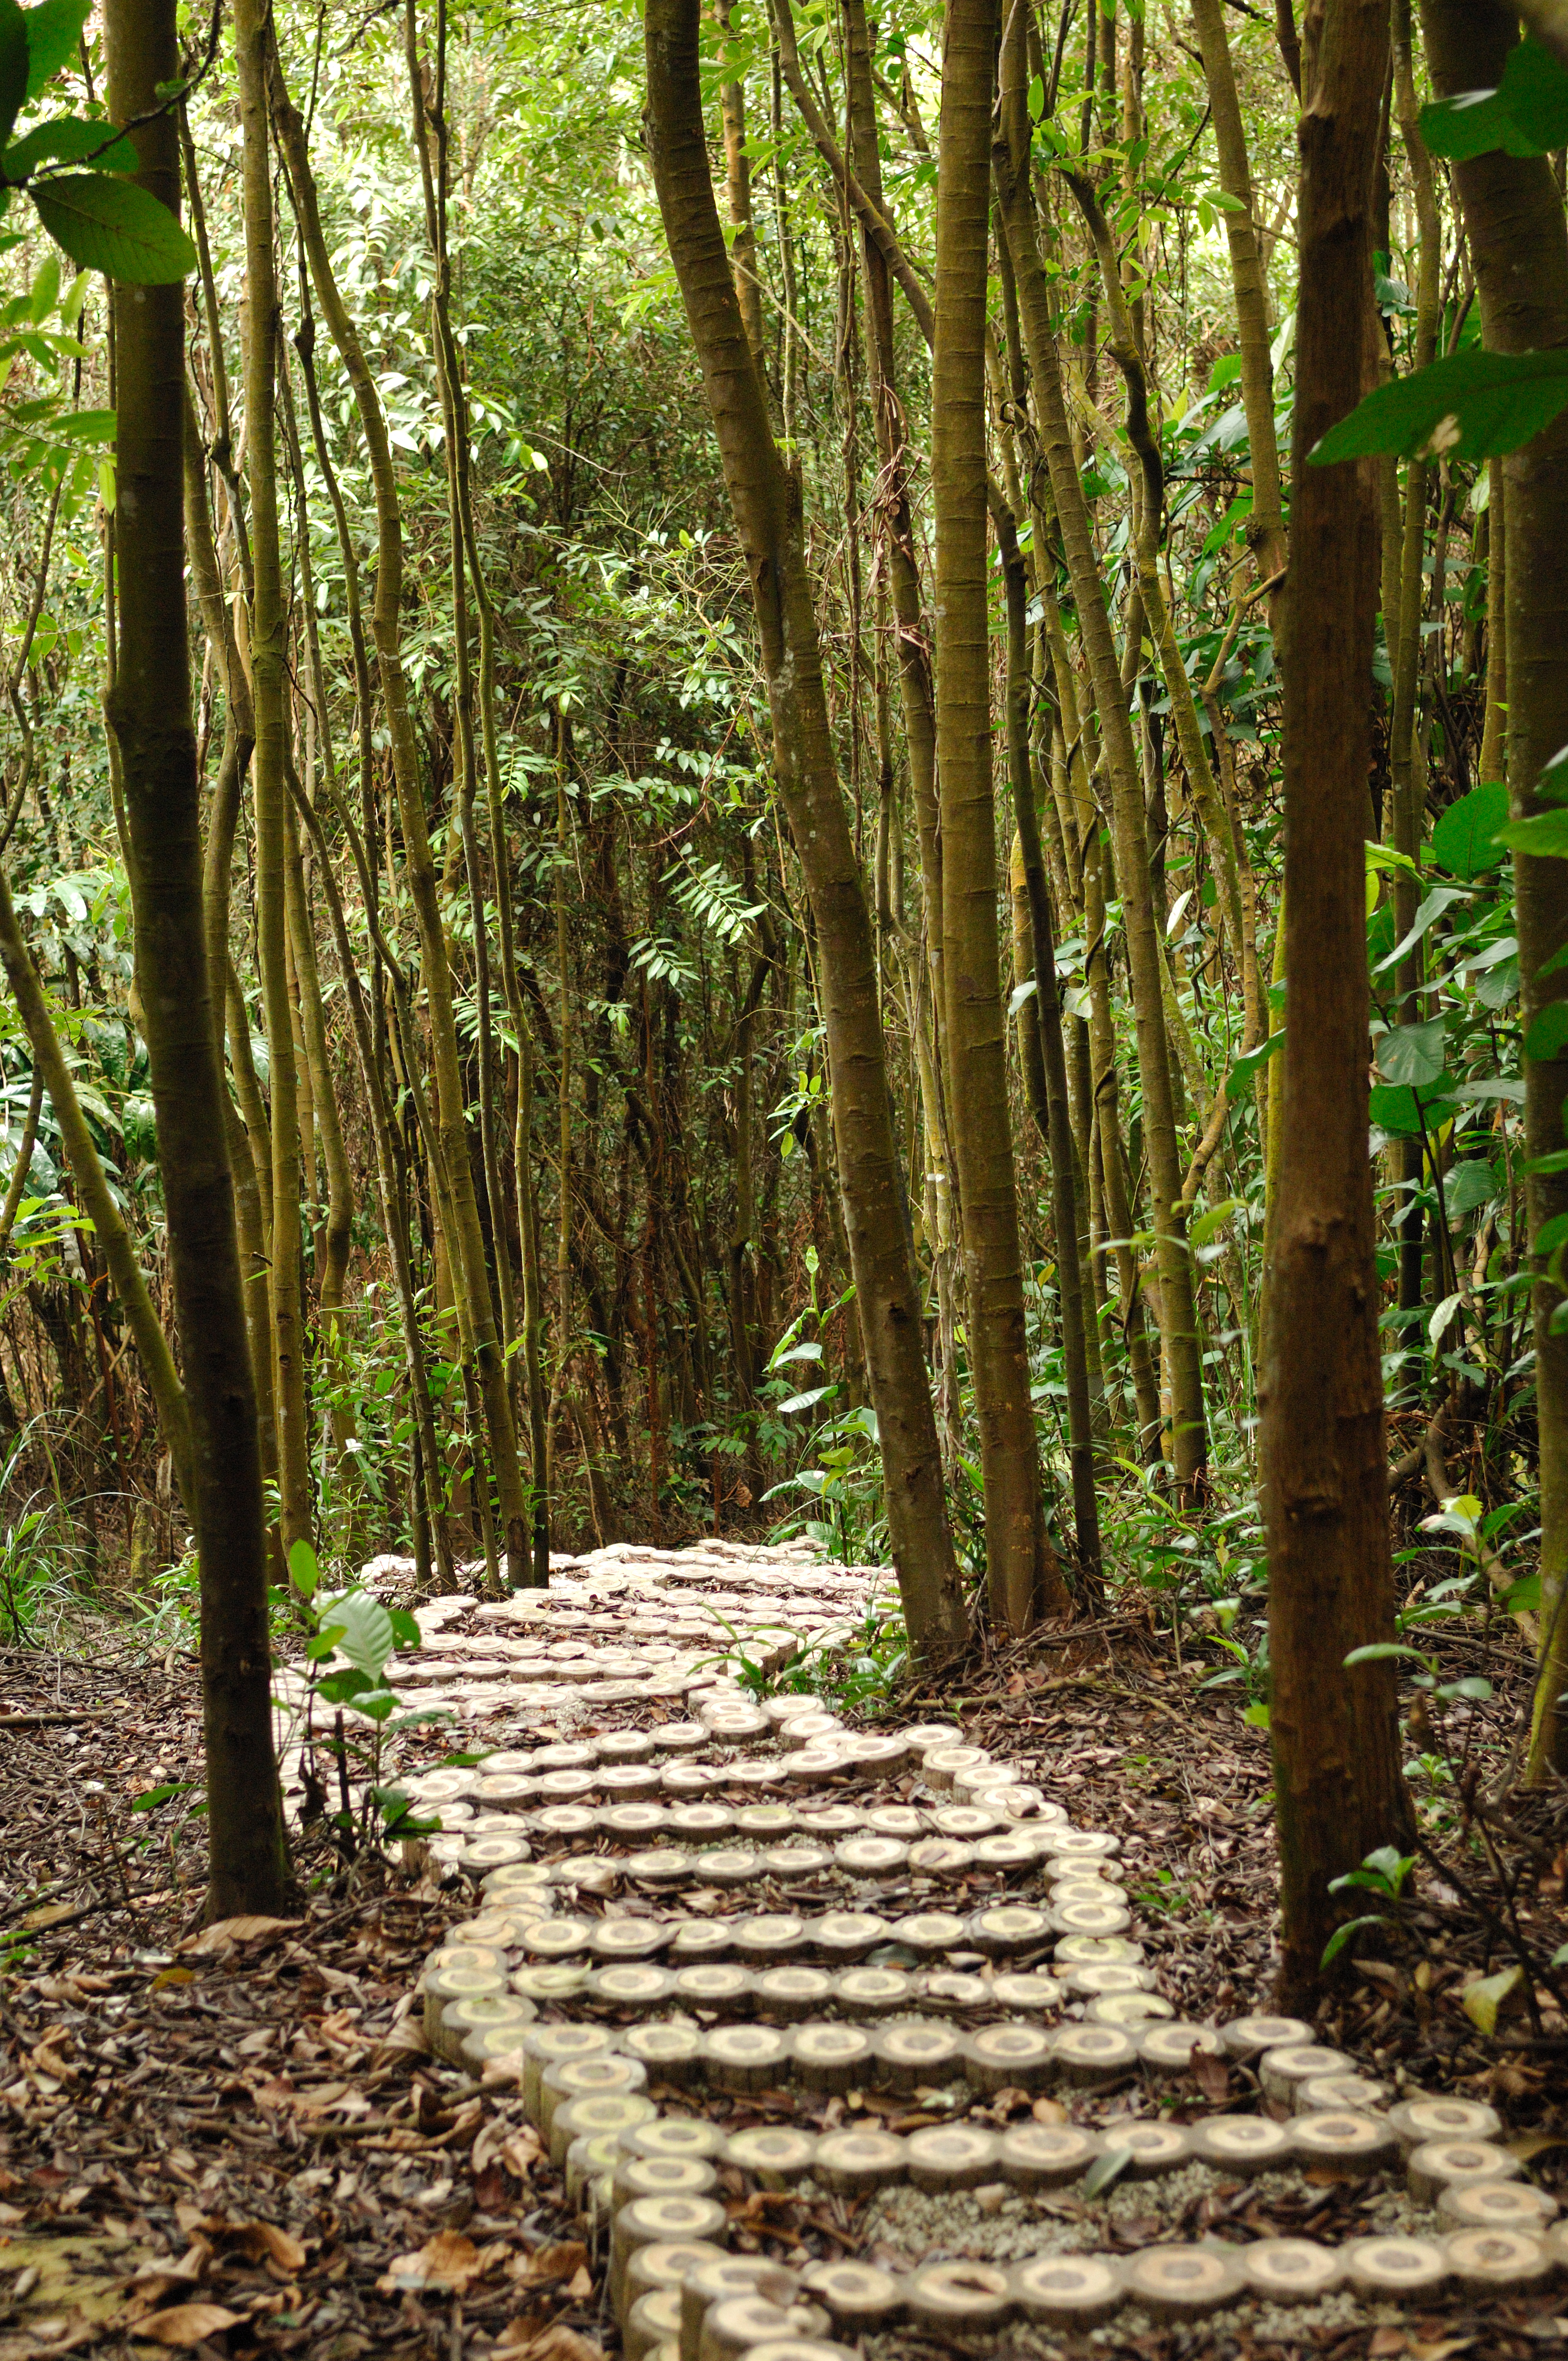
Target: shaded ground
(257,2129)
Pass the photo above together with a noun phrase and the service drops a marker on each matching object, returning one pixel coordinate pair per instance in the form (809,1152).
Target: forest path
(812,2032)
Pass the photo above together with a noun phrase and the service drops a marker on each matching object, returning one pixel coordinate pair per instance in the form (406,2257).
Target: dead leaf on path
(1530,2144)
(258,2241)
(545,2341)
(186,2323)
(1212,2075)
(448,2261)
(1386,2343)
(225,1933)
(406,2039)
(564,2260)
(1441,2352)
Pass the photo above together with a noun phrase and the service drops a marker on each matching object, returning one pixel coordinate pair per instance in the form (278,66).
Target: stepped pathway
(833,2035)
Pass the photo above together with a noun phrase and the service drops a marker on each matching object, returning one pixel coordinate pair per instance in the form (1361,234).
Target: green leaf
(53,33)
(1484,2001)
(1440,898)
(1378,1651)
(1413,1054)
(67,141)
(804,1401)
(305,1572)
(1523,1598)
(1244,1071)
(1544,833)
(1470,1184)
(361,1630)
(13,64)
(405,1627)
(1209,1224)
(1474,405)
(1399,1112)
(1105,2168)
(1466,841)
(114,227)
(1341,1936)
(151,1797)
(1257,1716)
(1527,115)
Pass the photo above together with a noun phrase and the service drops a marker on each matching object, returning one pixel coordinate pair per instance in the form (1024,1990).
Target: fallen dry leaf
(448,2261)
(225,1933)
(563,2261)
(186,2323)
(551,2342)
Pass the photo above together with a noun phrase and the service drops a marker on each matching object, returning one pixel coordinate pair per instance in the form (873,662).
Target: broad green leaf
(1472,405)
(1440,1318)
(1544,833)
(1523,1598)
(1470,1184)
(1527,115)
(1466,841)
(1341,1936)
(1440,899)
(68,141)
(13,64)
(362,1630)
(305,1572)
(1378,1651)
(1105,2170)
(114,227)
(1209,1224)
(53,32)
(804,1401)
(1244,1070)
(1413,1054)
(44,294)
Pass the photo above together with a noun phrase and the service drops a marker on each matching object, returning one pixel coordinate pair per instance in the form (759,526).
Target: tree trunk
(1513,212)
(150,716)
(1324,1479)
(1021,1578)
(766,501)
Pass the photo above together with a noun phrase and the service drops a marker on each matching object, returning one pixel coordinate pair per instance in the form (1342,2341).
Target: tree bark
(765,500)
(1337,1771)
(150,712)
(1514,216)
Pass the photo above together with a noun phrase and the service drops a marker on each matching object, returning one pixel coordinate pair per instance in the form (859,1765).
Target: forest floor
(238,2140)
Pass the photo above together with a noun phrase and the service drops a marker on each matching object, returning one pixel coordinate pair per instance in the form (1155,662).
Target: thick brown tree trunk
(1513,212)
(1337,1776)
(150,716)
(766,501)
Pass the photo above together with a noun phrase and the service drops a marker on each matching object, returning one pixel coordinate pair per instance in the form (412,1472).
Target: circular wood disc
(586,2118)
(849,1934)
(1088,1844)
(913,2054)
(940,1764)
(881,1756)
(1098,1951)
(1250,2036)
(729,1866)
(1181,2282)
(485,1956)
(442,1985)
(965,1821)
(1046,2156)
(872,1991)
(660,2220)
(668,2263)
(682,2136)
(1290,2270)
(741,2322)
(1168,2049)
(502,1787)
(812,1764)
(678,1737)
(669,2051)
(1089,1918)
(831,2058)
(485,1852)
(664,1865)
(1009,1851)
(786,1862)
(567,1786)
(1009,2057)
(1279,2071)
(1497,2262)
(1242,2145)
(952,2155)
(1130,2010)
(681,1778)
(1437,2165)
(558,1939)
(1328,2093)
(696,1940)
(831,1819)
(650,2324)
(586,2078)
(1415,2121)
(1345,2140)
(870,1856)
(921,1736)
(1033,1994)
(758,1822)
(722,2281)
(556,1983)
(940,1857)
(930,1931)
(792,1993)
(629,1939)
(630,1821)
(712,1984)
(1495,2206)
(801,1728)
(859,2297)
(801,2349)
(1089,1889)
(946,2297)
(566,1820)
(1104,1977)
(1381,2267)
(567,1754)
(662,2176)
(1067,2290)
(777,2158)
(770,1935)
(1153,2147)
(1014,1798)
(854,2162)
(695,1822)
(741,2058)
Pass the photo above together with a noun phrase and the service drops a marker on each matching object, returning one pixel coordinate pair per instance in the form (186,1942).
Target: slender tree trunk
(738,190)
(766,506)
(150,716)
(1021,1578)
(269,672)
(1513,213)
(1337,1776)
